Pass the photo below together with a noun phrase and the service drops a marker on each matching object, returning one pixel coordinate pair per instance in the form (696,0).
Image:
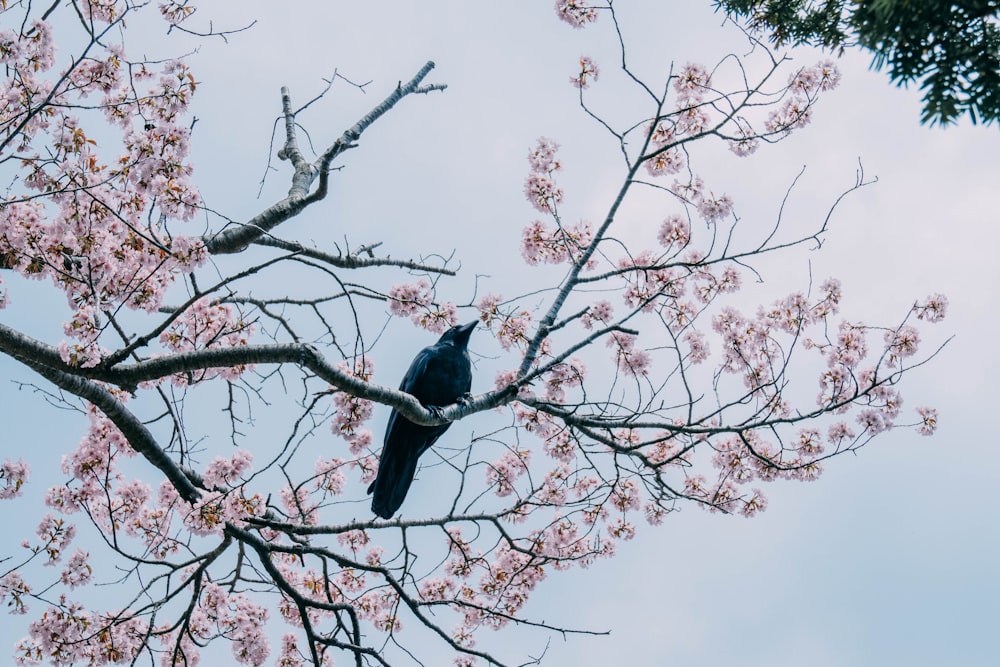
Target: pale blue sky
(890,558)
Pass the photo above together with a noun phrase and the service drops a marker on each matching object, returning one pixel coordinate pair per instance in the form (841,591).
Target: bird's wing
(416,370)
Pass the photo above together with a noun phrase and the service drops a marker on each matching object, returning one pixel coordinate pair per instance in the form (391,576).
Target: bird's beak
(464,332)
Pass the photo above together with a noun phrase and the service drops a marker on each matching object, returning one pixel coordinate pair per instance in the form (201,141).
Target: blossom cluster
(541,243)
(13,474)
(588,73)
(219,612)
(577,13)
(349,418)
(510,326)
(99,249)
(711,206)
(65,635)
(803,88)
(416,301)
(540,187)
(208,324)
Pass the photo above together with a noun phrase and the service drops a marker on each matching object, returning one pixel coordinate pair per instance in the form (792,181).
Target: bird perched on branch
(439,376)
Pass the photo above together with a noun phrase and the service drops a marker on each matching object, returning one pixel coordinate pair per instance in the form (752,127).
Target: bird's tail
(395,475)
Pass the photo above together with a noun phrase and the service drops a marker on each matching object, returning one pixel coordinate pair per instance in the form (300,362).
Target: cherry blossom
(12,586)
(628,358)
(14,475)
(933,309)
(588,73)
(542,158)
(929,419)
(691,83)
(541,192)
(575,12)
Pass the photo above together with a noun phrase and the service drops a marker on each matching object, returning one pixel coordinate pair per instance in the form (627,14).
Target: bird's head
(458,336)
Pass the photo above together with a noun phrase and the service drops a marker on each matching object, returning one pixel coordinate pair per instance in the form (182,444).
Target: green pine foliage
(951,48)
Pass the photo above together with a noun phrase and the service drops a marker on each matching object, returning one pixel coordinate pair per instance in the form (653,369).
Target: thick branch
(138,436)
(39,355)
(235,239)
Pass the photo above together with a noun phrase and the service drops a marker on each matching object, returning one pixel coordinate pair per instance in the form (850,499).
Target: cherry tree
(630,383)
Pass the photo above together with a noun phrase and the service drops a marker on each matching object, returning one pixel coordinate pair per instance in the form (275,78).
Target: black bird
(439,375)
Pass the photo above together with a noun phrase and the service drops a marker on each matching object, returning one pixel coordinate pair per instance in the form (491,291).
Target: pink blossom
(839,432)
(713,208)
(561,376)
(929,420)
(360,442)
(352,412)
(489,309)
(666,161)
(542,157)
(873,421)
(933,309)
(415,300)
(629,359)
(755,504)
(691,83)
(810,80)
(561,446)
(692,121)
(369,467)
(223,472)
(648,283)
(790,314)
(674,230)
(407,299)
(77,571)
(299,505)
(56,535)
(354,540)
(503,472)
(513,329)
(625,495)
(601,311)
(734,459)
(696,486)
(851,347)
(655,514)
(206,516)
(208,324)
(663,132)
(13,586)
(290,655)
(437,588)
(793,113)
(836,386)
(698,346)
(14,475)
(535,421)
(901,343)
(104,11)
(330,476)
(588,72)
(438,319)
(621,529)
(577,13)
(176,12)
(554,487)
(809,442)
(541,192)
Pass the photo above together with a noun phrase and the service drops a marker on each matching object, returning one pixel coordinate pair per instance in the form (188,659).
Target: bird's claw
(464,399)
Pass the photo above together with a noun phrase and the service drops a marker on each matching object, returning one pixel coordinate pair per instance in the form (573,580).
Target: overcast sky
(891,557)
